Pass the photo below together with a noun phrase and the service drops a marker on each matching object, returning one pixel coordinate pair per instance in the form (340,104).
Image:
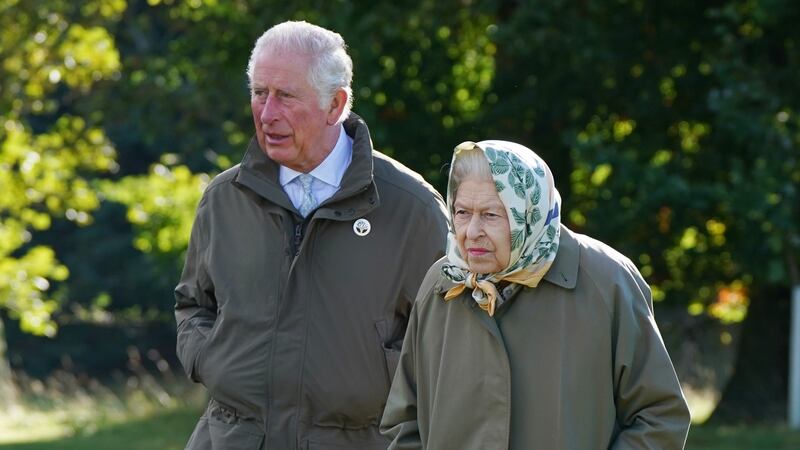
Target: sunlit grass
(167,430)
(67,408)
(157,408)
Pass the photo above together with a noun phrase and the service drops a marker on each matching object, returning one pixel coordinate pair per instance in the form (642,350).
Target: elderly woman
(528,336)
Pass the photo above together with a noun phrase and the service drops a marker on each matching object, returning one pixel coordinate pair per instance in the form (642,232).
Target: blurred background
(672,128)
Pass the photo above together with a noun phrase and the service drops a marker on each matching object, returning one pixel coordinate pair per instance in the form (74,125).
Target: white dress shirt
(327,176)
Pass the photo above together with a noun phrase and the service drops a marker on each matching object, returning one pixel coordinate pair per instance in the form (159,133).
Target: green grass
(742,437)
(137,411)
(171,429)
(166,431)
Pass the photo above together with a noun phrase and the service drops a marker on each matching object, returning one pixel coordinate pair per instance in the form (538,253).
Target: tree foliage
(672,128)
(673,131)
(47,154)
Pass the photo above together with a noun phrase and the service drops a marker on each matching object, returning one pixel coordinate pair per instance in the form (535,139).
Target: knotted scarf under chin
(485,293)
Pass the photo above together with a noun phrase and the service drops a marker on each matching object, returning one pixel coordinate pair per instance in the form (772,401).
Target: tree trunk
(757,390)
(8,392)
(794,341)
(794,361)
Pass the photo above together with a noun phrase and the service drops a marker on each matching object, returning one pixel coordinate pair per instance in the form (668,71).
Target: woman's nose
(475,227)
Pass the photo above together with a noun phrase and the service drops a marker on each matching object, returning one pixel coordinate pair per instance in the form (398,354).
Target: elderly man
(303,263)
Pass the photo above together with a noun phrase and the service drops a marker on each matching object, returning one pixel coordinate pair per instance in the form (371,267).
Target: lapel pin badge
(362,227)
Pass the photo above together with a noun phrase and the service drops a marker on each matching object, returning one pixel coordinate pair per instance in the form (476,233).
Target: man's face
(290,125)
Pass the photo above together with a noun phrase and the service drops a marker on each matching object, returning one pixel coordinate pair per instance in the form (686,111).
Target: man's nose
(269,110)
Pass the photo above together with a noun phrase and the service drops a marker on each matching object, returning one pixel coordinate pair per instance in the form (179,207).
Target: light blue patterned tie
(309,202)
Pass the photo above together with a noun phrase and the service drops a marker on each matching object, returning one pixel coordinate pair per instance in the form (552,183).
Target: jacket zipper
(298,238)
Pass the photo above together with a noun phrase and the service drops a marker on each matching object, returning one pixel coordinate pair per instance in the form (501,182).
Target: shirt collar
(332,168)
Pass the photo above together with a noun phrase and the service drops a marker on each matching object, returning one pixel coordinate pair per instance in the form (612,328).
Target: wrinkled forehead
(478,193)
(285,70)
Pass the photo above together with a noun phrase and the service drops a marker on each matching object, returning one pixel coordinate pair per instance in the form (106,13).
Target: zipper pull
(298,238)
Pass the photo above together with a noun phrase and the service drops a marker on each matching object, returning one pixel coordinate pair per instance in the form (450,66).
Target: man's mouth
(276,138)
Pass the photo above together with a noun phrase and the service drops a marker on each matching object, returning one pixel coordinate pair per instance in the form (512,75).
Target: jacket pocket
(391,355)
(229,431)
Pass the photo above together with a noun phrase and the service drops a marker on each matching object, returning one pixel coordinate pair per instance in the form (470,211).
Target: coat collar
(564,271)
(357,195)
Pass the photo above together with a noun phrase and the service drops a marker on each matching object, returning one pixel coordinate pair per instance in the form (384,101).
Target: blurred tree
(52,55)
(176,107)
(672,129)
(199,89)
(676,129)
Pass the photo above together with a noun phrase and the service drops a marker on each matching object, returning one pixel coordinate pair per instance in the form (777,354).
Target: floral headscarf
(525,185)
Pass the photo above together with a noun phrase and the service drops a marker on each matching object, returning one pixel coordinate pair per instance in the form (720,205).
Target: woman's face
(482,229)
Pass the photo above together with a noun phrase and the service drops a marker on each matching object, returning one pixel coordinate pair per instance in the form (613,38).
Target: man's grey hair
(331,68)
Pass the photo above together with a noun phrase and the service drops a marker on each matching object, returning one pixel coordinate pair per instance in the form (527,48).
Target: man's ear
(336,106)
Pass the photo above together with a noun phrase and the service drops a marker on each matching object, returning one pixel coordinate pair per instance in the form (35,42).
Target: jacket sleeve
(399,422)
(651,410)
(195,304)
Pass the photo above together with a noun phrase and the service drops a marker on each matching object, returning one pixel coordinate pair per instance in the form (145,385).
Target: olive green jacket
(294,326)
(575,363)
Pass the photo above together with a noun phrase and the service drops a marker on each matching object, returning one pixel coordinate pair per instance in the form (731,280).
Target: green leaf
(551,232)
(499,166)
(499,186)
(526,261)
(518,171)
(536,215)
(517,237)
(491,154)
(536,196)
(519,217)
(519,190)
(450,272)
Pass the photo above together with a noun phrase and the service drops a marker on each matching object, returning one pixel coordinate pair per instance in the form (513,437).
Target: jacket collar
(357,195)
(563,272)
